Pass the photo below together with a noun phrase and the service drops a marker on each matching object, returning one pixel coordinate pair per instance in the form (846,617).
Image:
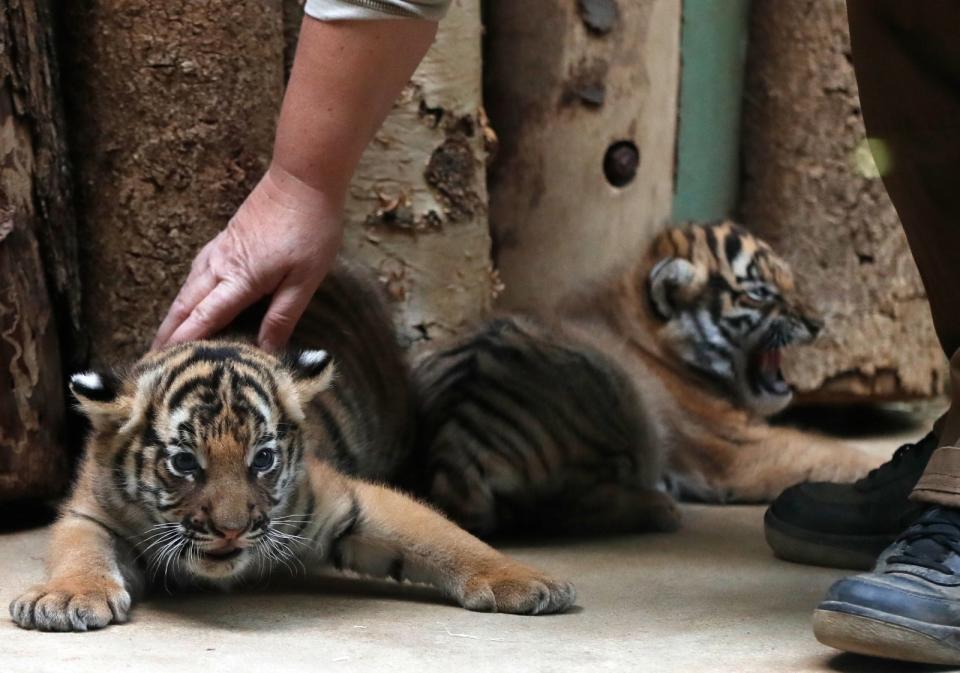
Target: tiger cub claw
(517,590)
(56,607)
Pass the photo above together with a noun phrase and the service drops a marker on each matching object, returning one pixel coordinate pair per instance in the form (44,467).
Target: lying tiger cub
(662,372)
(213,461)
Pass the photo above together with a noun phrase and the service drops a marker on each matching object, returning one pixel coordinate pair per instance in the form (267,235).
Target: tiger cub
(212,462)
(660,374)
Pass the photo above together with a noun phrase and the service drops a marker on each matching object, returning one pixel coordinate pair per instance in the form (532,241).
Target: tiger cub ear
(313,372)
(673,282)
(98,395)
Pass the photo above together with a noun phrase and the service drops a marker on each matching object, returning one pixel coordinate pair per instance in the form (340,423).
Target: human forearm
(345,78)
(285,235)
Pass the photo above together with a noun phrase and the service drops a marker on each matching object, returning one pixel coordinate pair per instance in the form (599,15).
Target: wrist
(292,192)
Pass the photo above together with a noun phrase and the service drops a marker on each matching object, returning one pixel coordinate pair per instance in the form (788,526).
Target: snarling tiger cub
(660,374)
(212,462)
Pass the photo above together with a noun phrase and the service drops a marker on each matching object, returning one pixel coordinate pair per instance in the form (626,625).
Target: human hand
(282,241)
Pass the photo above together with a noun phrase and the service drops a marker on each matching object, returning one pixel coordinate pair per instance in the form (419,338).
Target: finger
(191,294)
(215,311)
(286,308)
(199,283)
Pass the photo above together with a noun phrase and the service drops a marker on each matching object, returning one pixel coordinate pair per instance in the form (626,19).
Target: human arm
(284,237)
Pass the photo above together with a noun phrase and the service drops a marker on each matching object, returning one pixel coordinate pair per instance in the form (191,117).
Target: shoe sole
(852,628)
(790,543)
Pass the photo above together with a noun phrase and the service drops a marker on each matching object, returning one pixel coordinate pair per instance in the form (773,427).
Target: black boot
(848,525)
(909,607)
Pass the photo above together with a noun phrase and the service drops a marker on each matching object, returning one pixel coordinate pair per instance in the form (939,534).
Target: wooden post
(172,109)
(417,208)
(810,189)
(583,96)
(36,246)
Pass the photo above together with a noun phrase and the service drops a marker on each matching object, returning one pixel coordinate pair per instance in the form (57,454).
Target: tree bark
(36,244)
(417,208)
(810,189)
(172,107)
(583,96)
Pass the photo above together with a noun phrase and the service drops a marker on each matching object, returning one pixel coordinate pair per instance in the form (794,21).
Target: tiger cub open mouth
(765,373)
(222,555)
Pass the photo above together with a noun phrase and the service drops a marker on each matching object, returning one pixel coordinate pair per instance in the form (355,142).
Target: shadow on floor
(858,421)
(270,600)
(25,514)
(856,663)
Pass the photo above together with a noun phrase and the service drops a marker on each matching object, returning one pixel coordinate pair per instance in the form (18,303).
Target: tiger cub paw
(71,605)
(518,590)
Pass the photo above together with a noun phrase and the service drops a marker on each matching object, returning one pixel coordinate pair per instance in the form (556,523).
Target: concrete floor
(710,597)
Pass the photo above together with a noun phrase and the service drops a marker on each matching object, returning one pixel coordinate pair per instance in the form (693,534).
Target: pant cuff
(940,482)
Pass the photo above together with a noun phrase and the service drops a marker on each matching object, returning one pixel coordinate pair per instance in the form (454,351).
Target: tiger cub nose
(231,534)
(229,530)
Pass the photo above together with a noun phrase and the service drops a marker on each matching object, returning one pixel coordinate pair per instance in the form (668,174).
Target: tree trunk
(583,96)
(811,190)
(173,108)
(36,245)
(417,208)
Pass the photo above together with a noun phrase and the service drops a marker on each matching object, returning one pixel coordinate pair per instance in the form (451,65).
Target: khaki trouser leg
(907,59)
(940,482)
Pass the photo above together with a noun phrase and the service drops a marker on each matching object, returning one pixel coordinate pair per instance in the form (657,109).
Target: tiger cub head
(726,306)
(199,447)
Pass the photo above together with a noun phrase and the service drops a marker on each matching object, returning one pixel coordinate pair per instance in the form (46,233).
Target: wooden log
(172,107)
(810,189)
(36,241)
(583,97)
(416,212)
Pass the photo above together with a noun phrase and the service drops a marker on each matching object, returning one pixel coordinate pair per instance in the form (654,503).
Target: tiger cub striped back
(523,426)
(368,412)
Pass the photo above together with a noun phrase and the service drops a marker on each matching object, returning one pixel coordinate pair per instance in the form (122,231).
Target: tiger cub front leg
(86,588)
(761,470)
(378,531)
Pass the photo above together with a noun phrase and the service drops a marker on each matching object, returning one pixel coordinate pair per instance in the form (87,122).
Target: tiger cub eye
(263,460)
(185,462)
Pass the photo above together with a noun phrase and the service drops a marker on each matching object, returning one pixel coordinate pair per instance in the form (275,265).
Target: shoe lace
(930,541)
(908,452)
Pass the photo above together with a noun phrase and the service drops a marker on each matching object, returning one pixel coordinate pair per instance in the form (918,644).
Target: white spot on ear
(658,267)
(740,264)
(667,275)
(312,359)
(88,380)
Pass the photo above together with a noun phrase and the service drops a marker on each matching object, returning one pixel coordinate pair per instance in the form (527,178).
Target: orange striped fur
(657,378)
(213,462)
